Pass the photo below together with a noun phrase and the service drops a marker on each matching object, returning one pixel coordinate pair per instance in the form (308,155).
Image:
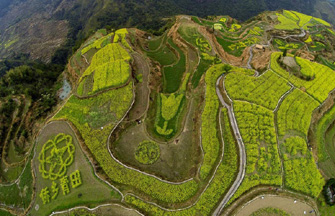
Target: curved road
(232,119)
(242,165)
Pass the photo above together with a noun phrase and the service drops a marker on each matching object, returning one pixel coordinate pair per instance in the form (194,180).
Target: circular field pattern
(147,152)
(56,155)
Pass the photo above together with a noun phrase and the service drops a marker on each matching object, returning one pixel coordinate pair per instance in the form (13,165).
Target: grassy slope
(173,74)
(93,190)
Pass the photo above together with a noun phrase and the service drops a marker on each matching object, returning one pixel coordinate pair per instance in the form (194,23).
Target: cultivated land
(197,121)
(93,190)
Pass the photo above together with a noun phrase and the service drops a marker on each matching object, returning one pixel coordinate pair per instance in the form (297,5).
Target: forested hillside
(64,24)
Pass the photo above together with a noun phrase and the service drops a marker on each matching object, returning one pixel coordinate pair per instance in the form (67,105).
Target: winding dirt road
(232,119)
(290,205)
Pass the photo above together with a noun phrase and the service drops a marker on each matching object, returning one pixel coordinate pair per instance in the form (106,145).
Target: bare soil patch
(179,158)
(142,91)
(261,59)
(284,203)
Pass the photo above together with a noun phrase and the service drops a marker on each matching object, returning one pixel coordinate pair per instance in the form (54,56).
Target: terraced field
(184,124)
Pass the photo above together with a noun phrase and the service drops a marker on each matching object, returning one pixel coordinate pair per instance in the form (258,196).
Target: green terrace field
(282,44)
(109,68)
(205,51)
(264,90)
(290,20)
(163,54)
(19,194)
(323,145)
(155,43)
(237,48)
(263,162)
(173,74)
(297,105)
(97,44)
(197,120)
(225,173)
(293,118)
(297,157)
(318,88)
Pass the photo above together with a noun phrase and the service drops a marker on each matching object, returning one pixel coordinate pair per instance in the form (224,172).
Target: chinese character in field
(45,195)
(75,179)
(64,183)
(54,190)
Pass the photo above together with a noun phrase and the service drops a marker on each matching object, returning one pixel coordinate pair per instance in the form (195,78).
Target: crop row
(120,36)
(237,48)
(173,74)
(282,45)
(111,52)
(111,74)
(256,125)
(291,20)
(192,35)
(286,23)
(301,172)
(98,44)
(321,128)
(307,69)
(77,111)
(210,141)
(295,113)
(265,90)
(318,88)
(110,67)
(238,33)
(223,178)
(170,105)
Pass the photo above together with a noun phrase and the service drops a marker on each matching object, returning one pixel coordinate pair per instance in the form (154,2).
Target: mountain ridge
(22,20)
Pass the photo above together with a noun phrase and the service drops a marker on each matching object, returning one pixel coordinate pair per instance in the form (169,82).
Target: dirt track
(274,201)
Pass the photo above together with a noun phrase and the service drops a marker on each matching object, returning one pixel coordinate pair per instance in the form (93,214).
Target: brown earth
(305,54)
(37,37)
(284,203)
(248,197)
(261,59)
(226,57)
(29,27)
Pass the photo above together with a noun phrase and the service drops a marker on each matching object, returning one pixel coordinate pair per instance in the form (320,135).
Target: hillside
(39,28)
(197,121)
